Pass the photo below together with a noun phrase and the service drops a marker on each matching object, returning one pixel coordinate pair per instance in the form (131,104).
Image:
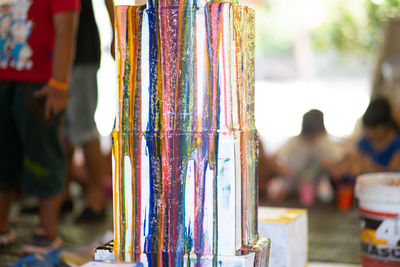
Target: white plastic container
(379,203)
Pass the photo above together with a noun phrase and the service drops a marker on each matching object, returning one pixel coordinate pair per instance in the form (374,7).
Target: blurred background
(309,54)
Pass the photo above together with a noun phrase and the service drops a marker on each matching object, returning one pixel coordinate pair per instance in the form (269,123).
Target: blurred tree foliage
(355,26)
(348,26)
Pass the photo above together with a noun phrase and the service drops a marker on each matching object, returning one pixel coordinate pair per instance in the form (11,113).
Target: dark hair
(313,122)
(379,113)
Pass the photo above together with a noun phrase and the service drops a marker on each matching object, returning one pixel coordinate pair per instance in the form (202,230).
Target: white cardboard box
(288,231)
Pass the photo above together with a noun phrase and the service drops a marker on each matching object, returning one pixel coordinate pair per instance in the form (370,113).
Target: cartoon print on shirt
(14,34)
(20,50)
(5,22)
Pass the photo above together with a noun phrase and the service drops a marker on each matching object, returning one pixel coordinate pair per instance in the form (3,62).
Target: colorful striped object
(184,143)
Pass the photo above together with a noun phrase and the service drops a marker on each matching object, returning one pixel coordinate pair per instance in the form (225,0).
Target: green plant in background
(379,10)
(348,26)
(344,29)
(355,26)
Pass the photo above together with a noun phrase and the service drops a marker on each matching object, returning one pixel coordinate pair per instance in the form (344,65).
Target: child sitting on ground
(379,148)
(307,157)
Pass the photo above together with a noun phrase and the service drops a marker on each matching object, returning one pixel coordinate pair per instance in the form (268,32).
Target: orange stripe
(379,214)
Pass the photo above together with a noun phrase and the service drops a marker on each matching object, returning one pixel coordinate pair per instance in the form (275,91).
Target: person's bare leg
(94,165)
(6,199)
(49,209)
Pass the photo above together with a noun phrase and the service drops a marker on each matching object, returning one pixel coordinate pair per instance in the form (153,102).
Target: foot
(41,244)
(88,216)
(7,238)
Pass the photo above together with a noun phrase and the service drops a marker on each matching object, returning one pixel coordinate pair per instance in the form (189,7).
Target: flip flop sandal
(51,258)
(41,244)
(7,238)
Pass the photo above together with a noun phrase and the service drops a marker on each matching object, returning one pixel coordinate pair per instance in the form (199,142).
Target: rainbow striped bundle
(184,144)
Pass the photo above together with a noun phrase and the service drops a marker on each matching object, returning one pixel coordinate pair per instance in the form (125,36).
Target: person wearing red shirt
(37,45)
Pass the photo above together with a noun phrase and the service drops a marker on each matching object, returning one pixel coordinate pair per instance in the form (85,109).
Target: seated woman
(379,148)
(307,158)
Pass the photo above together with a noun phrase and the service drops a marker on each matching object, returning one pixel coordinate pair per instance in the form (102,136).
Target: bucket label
(380,236)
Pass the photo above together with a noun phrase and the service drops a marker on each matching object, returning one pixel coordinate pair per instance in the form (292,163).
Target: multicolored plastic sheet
(184,144)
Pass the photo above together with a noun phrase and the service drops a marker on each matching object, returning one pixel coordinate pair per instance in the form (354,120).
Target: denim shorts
(31,154)
(80,127)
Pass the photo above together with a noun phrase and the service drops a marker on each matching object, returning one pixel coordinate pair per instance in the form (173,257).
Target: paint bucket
(379,201)
(344,197)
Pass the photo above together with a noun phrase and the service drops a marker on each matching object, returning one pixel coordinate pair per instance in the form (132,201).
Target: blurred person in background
(37,50)
(378,150)
(307,159)
(80,128)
